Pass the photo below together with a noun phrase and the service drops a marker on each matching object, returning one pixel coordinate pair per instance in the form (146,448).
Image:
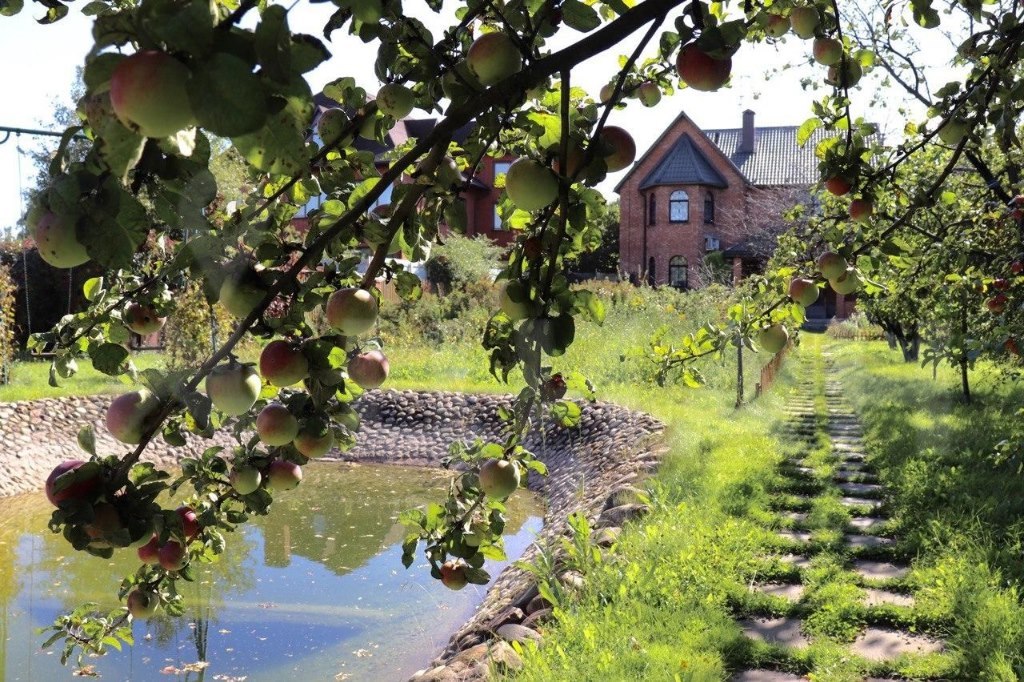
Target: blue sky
(40,61)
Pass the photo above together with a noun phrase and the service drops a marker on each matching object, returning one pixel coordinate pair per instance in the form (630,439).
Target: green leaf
(807,128)
(110,359)
(272,43)
(8,8)
(581,17)
(408,286)
(93,288)
(116,226)
(120,148)
(279,147)
(87,439)
(227,97)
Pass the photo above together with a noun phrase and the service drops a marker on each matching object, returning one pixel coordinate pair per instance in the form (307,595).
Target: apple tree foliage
(8,344)
(148,212)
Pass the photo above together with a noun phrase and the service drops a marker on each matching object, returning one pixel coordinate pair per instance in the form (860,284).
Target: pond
(316,591)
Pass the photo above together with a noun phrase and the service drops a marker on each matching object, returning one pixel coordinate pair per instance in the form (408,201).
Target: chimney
(747,141)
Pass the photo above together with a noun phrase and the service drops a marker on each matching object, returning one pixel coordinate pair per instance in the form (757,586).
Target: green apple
(130,415)
(531,185)
(57,242)
(148,94)
(499,478)
(245,479)
(773,338)
(233,388)
(351,311)
(492,57)
(396,100)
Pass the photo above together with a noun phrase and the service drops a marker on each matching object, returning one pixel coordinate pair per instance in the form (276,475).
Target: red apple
(1017,267)
(142,319)
(1011,346)
(827,51)
(283,475)
(368,369)
(845,74)
(997,303)
(861,210)
(499,478)
(700,70)
(831,265)
(395,100)
(554,388)
(453,575)
(493,57)
(776,25)
(276,426)
(189,522)
(130,415)
(803,291)
(172,556)
(773,338)
(142,603)
(531,185)
(148,94)
(351,311)
(57,241)
(621,149)
(838,185)
(80,491)
(804,21)
(1001,284)
(313,443)
(149,552)
(233,388)
(283,364)
(245,479)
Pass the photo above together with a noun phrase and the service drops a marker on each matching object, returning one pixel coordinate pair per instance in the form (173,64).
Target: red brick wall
(480,205)
(738,211)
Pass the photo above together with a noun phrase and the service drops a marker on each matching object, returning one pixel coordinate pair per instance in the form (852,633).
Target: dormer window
(709,208)
(679,207)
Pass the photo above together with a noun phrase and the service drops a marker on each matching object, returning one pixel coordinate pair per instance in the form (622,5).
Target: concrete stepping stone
(794,535)
(783,631)
(798,471)
(854,476)
(879,570)
(865,541)
(860,502)
(795,517)
(861,488)
(797,560)
(886,598)
(866,522)
(766,676)
(878,644)
(857,466)
(789,591)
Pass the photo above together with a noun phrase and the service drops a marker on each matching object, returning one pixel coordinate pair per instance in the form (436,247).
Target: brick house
(702,197)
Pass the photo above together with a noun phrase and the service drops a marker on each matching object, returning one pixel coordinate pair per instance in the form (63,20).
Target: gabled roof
(777,158)
(684,164)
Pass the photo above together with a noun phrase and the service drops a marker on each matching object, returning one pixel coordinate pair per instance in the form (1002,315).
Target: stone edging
(593,469)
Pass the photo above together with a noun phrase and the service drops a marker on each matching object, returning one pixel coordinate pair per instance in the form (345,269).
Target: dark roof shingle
(777,158)
(684,164)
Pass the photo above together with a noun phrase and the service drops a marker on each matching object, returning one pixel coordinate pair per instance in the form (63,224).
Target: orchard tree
(142,203)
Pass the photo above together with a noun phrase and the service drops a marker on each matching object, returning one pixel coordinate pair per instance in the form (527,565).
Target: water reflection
(314,592)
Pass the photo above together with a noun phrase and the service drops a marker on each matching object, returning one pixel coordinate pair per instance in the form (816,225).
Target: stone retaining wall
(593,468)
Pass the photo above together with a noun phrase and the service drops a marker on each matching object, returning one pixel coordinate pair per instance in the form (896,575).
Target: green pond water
(316,591)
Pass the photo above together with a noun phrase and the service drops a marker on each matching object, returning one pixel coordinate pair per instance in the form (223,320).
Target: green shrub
(856,327)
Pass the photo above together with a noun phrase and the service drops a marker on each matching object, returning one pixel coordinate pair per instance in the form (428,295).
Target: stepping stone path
(855,485)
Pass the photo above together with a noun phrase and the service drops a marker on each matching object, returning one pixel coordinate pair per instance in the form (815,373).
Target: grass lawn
(29,379)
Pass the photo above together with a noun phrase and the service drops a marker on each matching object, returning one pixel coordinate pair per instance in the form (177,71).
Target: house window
(652,276)
(679,207)
(500,169)
(709,208)
(678,272)
(652,210)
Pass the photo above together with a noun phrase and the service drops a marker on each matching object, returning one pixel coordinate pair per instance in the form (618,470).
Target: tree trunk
(963,379)
(912,349)
(891,339)
(739,374)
